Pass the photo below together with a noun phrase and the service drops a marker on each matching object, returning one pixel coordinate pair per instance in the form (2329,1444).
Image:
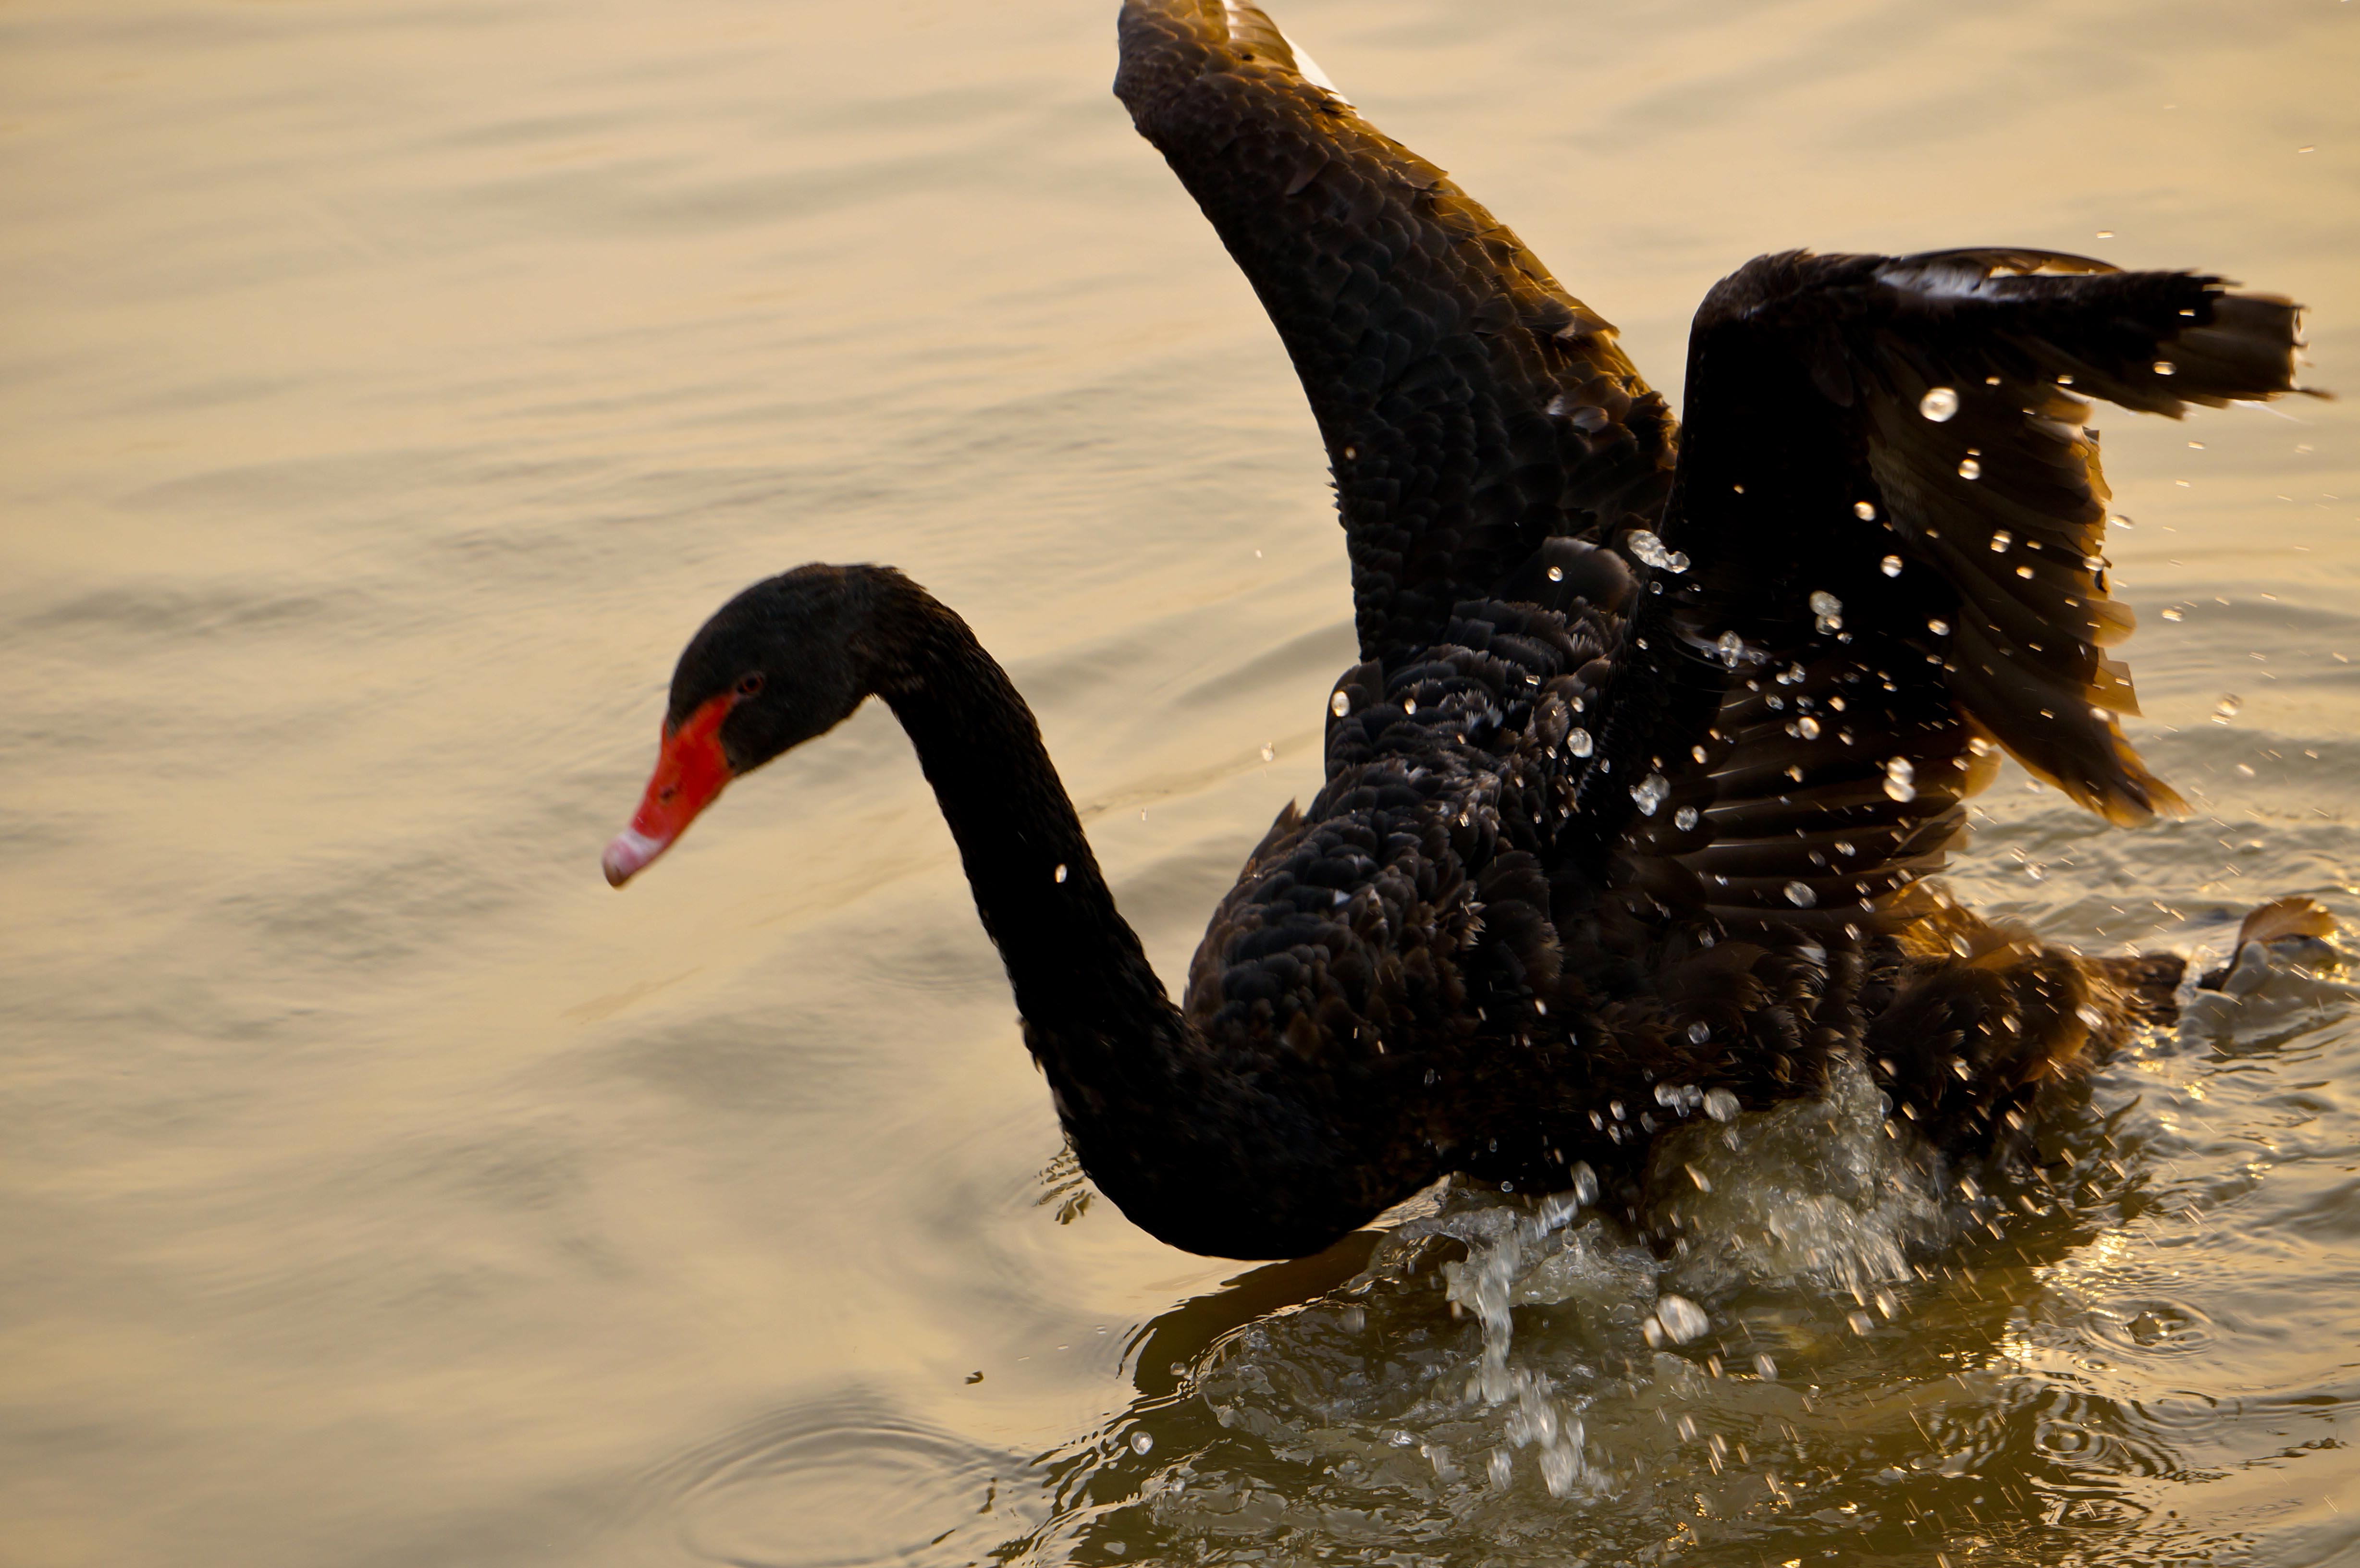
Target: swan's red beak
(689,772)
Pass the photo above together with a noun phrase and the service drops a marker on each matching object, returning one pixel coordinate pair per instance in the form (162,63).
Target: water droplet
(1504,1469)
(1938,405)
(1731,648)
(2036,871)
(2227,708)
(1799,894)
(2024,572)
(1682,1319)
(2175,614)
(1969,469)
(1807,727)
(1684,818)
(1409,706)
(1900,779)
(1766,1368)
(1061,873)
(1649,792)
(1699,1032)
(2165,367)
(1341,703)
(1350,452)
(1844,846)
(1650,549)
(1577,741)
(1270,753)
(1891,565)
(1721,1105)
(1864,510)
(1939,627)
(1556,573)
(1140,1442)
(2000,541)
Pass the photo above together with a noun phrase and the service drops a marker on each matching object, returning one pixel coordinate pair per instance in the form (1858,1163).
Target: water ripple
(842,1482)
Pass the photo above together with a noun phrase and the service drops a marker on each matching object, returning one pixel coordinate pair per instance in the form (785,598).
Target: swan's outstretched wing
(1471,408)
(1895,525)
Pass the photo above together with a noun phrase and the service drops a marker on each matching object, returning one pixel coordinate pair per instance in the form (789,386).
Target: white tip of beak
(630,854)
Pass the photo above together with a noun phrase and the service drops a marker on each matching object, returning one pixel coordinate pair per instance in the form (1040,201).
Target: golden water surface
(388,387)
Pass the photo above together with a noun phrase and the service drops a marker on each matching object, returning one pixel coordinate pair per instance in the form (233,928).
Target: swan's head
(775,666)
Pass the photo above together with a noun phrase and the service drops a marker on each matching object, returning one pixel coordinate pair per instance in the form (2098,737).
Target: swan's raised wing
(1894,526)
(1471,408)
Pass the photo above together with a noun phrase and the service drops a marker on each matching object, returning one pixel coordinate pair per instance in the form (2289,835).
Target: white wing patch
(1959,275)
(1242,19)
(1310,72)
(1940,279)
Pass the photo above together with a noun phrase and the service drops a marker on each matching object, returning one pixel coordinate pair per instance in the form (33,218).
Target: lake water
(386,390)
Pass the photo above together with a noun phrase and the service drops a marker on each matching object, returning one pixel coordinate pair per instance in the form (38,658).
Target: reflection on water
(387,390)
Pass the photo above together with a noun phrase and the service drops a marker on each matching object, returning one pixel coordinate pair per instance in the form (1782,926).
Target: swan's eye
(750,684)
(667,792)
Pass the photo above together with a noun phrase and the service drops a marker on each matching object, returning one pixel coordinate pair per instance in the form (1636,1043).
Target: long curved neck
(1226,1146)
(1081,979)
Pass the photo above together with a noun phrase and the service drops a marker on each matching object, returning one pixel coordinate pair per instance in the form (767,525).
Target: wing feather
(1471,407)
(1896,516)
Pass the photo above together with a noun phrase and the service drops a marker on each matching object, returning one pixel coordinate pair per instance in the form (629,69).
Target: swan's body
(1630,799)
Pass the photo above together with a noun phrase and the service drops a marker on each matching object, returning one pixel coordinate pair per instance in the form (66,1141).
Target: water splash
(1811,1191)
(1652,550)
(1518,1255)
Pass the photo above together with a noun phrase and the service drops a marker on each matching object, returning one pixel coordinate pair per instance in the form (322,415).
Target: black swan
(1630,800)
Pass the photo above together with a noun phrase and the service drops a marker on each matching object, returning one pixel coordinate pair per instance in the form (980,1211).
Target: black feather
(1637,791)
